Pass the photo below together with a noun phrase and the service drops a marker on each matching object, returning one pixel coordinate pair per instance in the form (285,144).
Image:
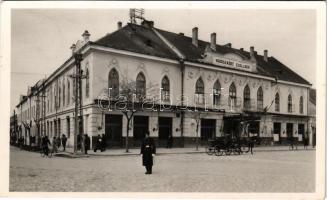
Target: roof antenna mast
(136,14)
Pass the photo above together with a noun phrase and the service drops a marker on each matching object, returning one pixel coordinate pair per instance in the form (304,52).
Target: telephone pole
(78,76)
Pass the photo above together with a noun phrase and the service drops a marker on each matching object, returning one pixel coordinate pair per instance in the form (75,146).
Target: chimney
(119,25)
(213,41)
(252,53)
(147,24)
(229,45)
(86,36)
(181,34)
(265,55)
(241,49)
(195,36)
(73,47)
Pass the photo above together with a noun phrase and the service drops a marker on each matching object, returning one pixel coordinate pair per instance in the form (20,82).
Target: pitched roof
(272,68)
(139,39)
(142,39)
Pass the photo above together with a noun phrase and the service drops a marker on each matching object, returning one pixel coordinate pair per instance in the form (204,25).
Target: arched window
(232,96)
(260,99)
(165,85)
(199,91)
(140,85)
(289,103)
(216,93)
(68,92)
(246,98)
(87,83)
(113,83)
(277,102)
(63,93)
(301,105)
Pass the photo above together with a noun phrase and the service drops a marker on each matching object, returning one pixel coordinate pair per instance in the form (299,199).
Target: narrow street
(271,171)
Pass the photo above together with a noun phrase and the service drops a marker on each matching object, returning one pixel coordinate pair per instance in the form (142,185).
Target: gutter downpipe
(182,64)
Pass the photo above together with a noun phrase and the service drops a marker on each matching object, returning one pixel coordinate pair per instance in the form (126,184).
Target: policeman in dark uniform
(148,149)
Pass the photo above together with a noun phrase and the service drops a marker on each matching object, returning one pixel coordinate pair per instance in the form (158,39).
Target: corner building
(225,84)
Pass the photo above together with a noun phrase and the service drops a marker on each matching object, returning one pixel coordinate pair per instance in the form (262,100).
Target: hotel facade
(222,87)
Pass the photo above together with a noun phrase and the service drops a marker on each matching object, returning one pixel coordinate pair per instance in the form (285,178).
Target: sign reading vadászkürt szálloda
(232,63)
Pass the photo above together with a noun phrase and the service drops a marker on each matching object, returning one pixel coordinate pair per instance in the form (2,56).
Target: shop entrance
(208,129)
(277,128)
(141,126)
(113,130)
(289,130)
(165,129)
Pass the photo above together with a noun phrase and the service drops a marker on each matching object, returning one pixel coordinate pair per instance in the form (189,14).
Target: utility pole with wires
(78,76)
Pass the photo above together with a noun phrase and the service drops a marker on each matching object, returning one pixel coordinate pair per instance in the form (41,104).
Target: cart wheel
(210,150)
(218,151)
(228,152)
(245,149)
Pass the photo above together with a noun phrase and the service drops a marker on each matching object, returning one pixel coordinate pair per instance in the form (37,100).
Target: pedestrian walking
(98,144)
(87,143)
(148,151)
(103,142)
(170,141)
(54,145)
(64,141)
(305,141)
(252,140)
(58,142)
(45,142)
(21,142)
(79,142)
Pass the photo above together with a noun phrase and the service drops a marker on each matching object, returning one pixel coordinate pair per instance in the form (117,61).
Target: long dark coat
(87,143)
(147,149)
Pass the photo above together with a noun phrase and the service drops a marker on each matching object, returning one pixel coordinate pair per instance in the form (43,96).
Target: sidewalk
(160,151)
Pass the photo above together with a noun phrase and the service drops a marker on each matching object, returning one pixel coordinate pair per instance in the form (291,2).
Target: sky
(41,38)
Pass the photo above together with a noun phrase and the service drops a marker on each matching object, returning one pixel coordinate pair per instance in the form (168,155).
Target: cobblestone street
(270,171)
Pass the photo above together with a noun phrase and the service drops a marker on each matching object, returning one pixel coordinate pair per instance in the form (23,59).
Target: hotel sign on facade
(226,62)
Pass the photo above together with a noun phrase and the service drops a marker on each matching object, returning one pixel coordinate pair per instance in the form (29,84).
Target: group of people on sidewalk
(57,142)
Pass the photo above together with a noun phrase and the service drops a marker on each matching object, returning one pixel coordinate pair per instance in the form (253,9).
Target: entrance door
(165,129)
(301,129)
(289,130)
(277,128)
(113,130)
(141,126)
(208,129)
